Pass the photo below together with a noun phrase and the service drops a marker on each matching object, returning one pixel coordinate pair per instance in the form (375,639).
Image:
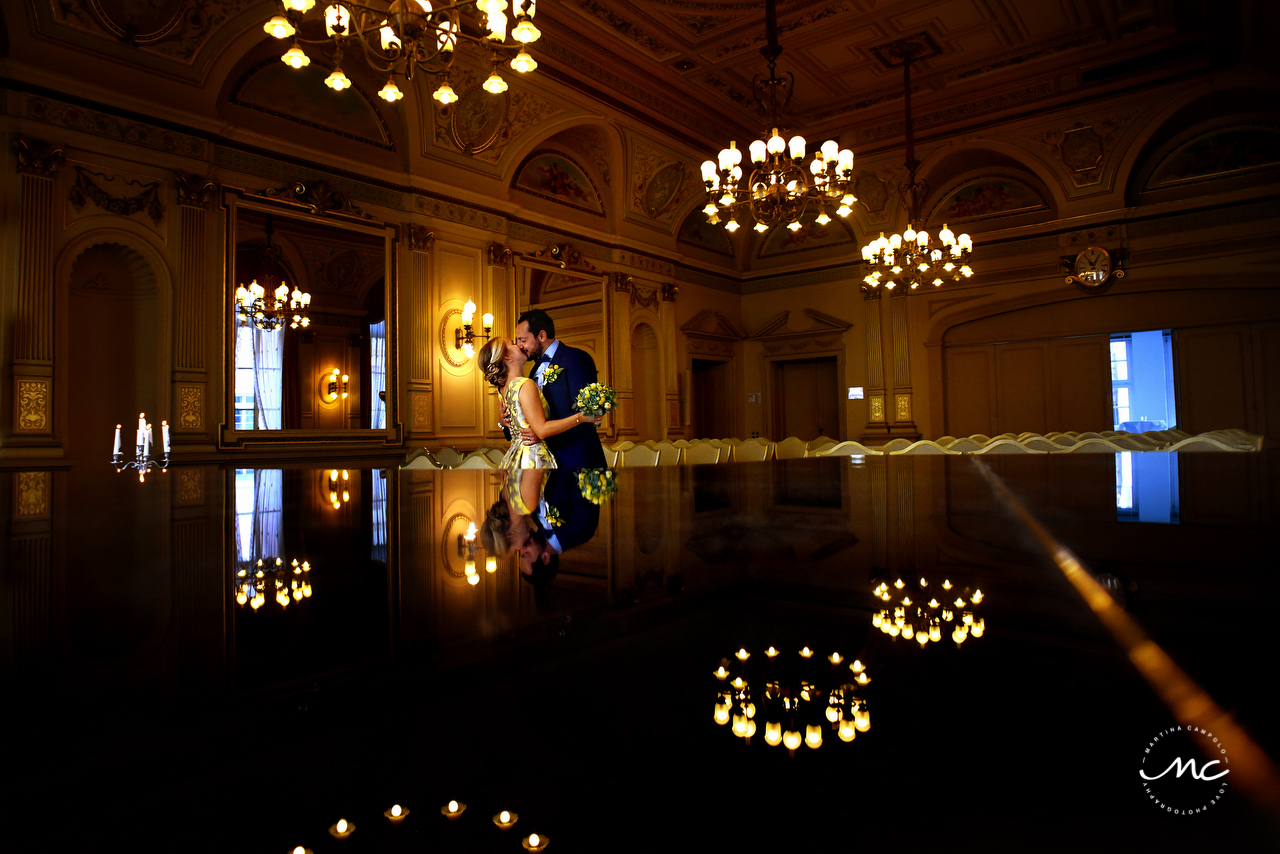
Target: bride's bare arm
(531,403)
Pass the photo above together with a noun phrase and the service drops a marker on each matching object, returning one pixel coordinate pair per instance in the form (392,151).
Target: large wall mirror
(575,294)
(326,373)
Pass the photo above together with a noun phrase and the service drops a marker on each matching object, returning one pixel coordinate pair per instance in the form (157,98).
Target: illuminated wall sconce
(339,488)
(464,334)
(334,385)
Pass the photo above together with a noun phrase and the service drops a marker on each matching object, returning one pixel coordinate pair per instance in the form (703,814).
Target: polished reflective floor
(551,647)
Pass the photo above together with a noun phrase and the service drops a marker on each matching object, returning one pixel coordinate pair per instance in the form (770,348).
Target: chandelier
(795,695)
(285,583)
(913,258)
(411,35)
(270,311)
(779,188)
(924,611)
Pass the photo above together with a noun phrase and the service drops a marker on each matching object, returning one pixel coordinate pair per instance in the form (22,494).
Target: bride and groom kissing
(539,411)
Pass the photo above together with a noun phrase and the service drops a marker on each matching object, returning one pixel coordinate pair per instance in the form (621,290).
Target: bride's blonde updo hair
(491,364)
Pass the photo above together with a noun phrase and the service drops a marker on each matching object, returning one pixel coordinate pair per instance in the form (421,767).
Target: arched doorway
(646,382)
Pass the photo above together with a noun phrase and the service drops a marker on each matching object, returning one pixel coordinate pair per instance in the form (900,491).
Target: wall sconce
(339,488)
(333,385)
(467,549)
(464,336)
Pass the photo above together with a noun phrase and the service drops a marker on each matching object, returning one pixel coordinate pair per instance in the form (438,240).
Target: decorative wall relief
(1084,147)
(109,127)
(318,197)
(661,183)
(644,297)
(588,141)
(36,157)
(31,405)
(711,333)
(422,411)
(146,200)
(190,487)
(190,407)
(823,333)
(454,212)
(173,29)
(902,406)
(553,175)
(626,29)
(31,495)
(419,237)
(479,121)
(193,190)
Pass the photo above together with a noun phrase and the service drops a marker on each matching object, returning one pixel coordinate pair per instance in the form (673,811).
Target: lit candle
(164,432)
(342,829)
(534,842)
(806,653)
(301,850)
(146,441)
(396,814)
(721,673)
(115,451)
(505,819)
(453,809)
(142,428)
(771,652)
(835,658)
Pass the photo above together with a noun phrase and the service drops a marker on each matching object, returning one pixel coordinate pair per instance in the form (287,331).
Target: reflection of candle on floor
(505,819)
(301,850)
(342,829)
(453,809)
(396,814)
(534,842)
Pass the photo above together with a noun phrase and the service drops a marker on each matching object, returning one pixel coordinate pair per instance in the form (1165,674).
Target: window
(379,515)
(1147,487)
(1120,384)
(244,378)
(378,375)
(1142,394)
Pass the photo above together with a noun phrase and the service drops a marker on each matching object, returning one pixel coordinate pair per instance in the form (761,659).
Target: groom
(561,372)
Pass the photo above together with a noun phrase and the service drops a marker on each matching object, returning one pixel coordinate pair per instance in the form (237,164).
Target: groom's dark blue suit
(578,447)
(579,518)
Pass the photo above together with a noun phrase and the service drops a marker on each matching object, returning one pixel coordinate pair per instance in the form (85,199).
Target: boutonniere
(554,519)
(551,374)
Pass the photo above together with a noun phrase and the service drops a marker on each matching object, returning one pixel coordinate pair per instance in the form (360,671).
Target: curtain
(259,514)
(378,375)
(379,515)
(268,354)
(291,399)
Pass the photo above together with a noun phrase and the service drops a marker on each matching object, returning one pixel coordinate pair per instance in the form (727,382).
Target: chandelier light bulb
(390,92)
(776,144)
(337,81)
(525,32)
(822,218)
(337,20)
(495,85)
(796,144)
(279,27)
(830,150)
(794,226)
(302,6)
(445,94)
(731,226)
(757,149)
(446,38)
(761,227)
(295,58)
(523,63)
(390,41)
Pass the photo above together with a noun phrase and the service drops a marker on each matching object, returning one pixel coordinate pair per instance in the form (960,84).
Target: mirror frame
(290,206)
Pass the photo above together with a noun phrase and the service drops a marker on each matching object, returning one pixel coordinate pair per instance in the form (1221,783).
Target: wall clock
(1093,267)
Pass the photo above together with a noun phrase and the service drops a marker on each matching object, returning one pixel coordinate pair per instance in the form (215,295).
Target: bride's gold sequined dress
(520,455)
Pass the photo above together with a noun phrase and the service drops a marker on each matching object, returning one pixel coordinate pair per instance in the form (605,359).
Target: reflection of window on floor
(244,378)
(378,376)
(259,511)
(379,515)
(1142,396)
(1147,487)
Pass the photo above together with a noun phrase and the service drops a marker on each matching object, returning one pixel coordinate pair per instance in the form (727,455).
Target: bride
(503,365)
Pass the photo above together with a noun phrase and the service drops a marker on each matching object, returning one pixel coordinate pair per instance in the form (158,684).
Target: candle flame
(504,816)
(453,806)
(395,810)
(342,825)
(534,840)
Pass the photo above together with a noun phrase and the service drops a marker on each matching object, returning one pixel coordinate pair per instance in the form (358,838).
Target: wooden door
(805,399)
(711,399)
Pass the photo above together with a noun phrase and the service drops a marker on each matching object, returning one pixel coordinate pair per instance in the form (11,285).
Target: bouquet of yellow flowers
(597,485)
(596,399)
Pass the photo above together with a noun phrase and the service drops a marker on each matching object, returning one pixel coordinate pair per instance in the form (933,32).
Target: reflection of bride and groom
(541,513)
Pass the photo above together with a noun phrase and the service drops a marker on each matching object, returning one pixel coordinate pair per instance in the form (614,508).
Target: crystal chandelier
(411,35)
(913,258)
(779,188)
(924,612)
(271,311)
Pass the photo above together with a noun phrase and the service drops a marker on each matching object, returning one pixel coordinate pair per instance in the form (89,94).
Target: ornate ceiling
(688,65)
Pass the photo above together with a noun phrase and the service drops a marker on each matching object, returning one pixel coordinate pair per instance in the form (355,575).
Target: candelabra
(924,611)
(142,461)
(409,35)
(290,583)
(779,189)
(796,695)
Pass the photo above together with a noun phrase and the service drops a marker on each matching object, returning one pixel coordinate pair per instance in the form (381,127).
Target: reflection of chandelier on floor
(792,695)
(409,35)
(913,258)
(286,583)
(779,189)
(924,611)
(271,311)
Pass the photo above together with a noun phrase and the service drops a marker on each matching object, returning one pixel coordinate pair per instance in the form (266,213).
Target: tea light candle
(453,809)
(721,673)
(342,829)
(806,653)
(771,652)
(505,819)
(742,655)
(396,814)
(534,842)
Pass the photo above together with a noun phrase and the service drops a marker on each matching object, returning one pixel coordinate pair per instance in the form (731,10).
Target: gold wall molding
(31,405)
(902,407)
(191,407)
(877,407)
(191,320)
(422,411)
(31,495)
